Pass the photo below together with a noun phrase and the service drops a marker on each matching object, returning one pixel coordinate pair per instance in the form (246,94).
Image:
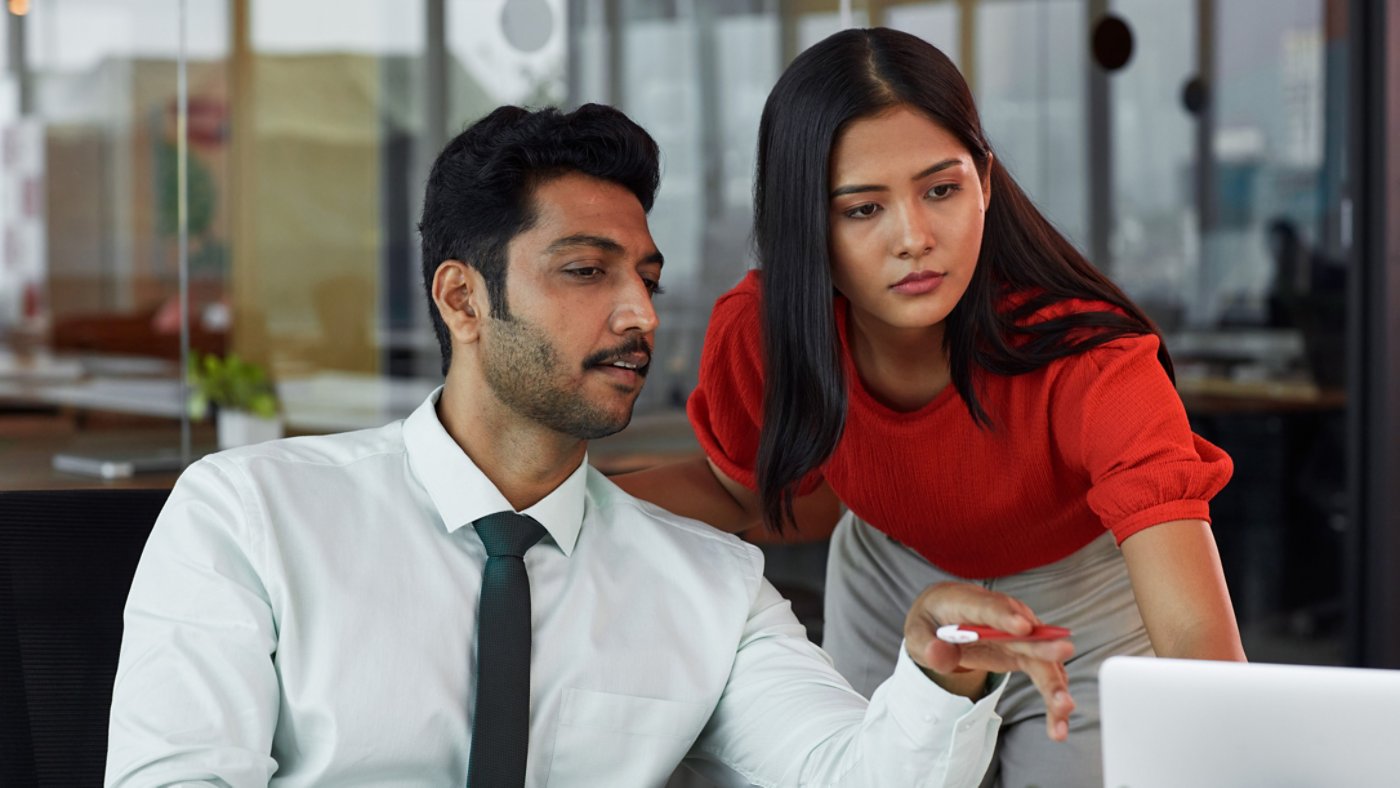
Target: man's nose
(634,310)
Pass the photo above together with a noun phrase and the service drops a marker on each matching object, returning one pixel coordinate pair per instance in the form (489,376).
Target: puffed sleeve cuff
(1141,497)
(929,714)
(726,407)
(697,408)
(1156,515)
(746,476)
(702,423)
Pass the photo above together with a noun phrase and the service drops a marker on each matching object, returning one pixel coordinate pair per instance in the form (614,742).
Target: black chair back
(66,562)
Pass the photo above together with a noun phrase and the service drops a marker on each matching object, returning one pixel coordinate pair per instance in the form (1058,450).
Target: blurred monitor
(1172,723)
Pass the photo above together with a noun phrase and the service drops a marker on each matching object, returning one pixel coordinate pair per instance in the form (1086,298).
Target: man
(371,608)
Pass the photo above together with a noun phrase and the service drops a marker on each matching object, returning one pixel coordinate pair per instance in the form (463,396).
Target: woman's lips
(918,283)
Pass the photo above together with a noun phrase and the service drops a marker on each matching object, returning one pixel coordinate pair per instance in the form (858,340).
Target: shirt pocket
(608,739)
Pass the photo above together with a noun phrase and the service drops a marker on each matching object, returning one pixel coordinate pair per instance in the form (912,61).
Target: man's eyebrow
(584,239)
(602,243)
(859,188)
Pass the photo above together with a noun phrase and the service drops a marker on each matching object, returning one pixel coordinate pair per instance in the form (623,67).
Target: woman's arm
(1180,589)
(695,488)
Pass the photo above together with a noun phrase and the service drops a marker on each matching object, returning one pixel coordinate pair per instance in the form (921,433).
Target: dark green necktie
(501,727)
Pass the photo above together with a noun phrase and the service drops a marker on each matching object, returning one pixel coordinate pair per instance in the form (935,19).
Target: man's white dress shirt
(305,613)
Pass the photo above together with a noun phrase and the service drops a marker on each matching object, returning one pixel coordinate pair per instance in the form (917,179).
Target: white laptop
(1171,723)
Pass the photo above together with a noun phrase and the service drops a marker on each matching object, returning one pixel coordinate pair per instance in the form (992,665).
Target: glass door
(1229,223)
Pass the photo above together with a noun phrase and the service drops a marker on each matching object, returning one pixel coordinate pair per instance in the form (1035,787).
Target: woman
(984,403)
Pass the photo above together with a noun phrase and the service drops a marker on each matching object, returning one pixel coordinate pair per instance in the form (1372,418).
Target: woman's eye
(862,211)
(943,190)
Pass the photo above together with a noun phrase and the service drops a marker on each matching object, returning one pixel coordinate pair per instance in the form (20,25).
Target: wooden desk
(26,460)
(26,453)
(1213,396)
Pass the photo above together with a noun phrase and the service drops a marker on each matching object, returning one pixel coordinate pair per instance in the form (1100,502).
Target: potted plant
(239,393)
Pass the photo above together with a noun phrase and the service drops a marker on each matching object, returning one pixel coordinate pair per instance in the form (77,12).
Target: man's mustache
(627,351)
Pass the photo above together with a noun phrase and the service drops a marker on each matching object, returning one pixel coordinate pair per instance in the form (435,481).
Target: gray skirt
(871,580)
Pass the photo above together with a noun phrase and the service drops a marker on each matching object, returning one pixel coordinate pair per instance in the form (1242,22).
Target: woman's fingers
(964,603)
(1052,682)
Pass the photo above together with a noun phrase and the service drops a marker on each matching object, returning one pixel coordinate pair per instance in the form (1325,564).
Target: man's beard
(522,367)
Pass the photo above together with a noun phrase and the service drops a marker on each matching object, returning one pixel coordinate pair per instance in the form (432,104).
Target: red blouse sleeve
(726,408)
(1117,416)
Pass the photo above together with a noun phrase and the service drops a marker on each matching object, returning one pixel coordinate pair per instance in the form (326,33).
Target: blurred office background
(1224,160)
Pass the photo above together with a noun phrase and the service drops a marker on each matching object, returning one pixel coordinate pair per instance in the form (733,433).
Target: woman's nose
(915,235)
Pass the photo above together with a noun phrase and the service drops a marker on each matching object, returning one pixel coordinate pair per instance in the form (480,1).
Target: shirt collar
(461,492)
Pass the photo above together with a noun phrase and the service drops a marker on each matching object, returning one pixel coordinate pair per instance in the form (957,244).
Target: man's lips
(626,366)
(626,361)
(918,282)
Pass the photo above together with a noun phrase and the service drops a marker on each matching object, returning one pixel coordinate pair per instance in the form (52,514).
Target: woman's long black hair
(851,75)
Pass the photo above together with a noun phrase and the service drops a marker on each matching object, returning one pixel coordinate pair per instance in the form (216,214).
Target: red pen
(971,633)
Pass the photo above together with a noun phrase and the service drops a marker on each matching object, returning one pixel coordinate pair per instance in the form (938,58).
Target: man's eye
(654,287)
(586,272)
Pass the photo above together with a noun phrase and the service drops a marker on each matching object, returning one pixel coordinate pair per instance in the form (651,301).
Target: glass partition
(331,108)
(1227,226)
(1205,175)
(92,188)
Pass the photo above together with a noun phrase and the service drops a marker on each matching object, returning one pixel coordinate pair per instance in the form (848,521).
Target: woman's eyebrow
(858,188)
(942,165)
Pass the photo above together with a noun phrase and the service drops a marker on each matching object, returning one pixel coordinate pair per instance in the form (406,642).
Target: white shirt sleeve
(196,695)
(788,718)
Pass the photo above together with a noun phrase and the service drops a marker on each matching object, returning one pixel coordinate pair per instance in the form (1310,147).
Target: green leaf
(230,383)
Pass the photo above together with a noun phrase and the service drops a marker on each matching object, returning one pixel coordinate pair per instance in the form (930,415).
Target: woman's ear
(459,294)
(987,182)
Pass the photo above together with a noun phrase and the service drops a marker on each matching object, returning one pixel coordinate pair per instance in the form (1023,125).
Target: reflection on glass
(1155,239)
(331,87)
(491,65)
(938,23)
(814,26)
(1268,144)
(1030,63)
(1226,231)
(89,310)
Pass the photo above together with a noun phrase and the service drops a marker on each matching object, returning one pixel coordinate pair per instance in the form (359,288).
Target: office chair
(66,562)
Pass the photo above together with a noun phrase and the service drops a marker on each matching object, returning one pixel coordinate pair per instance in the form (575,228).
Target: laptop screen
(1172,723)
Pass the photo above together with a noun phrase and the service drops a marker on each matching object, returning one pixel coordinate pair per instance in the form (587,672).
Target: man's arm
(196,694)
(787,718)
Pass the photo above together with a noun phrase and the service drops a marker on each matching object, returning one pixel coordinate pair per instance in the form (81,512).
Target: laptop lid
(1171,723)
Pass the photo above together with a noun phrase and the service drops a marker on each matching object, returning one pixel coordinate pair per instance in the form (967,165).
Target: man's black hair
(481,188)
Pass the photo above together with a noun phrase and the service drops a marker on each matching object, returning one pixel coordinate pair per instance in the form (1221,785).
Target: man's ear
(459,293)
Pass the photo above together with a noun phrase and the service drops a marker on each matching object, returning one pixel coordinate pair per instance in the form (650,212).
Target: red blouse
(1092,441)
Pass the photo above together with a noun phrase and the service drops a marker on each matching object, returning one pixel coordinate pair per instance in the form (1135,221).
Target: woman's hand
(963,669)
